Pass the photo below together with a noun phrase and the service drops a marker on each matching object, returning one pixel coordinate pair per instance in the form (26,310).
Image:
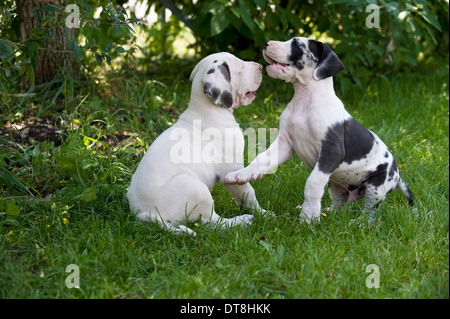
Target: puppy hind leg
(199,204)
(180,230)
(146,218)
(373,197)
(245,196)
(215,219)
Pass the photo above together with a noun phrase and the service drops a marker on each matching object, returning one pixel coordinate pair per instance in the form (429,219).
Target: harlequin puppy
(172,182)
(342,153)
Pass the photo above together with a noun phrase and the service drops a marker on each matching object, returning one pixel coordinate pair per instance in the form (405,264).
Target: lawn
(63,202)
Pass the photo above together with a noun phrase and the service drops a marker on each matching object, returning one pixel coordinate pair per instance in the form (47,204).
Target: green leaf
(119,49)
(12,211)
(431,34)
(109,47)
(247,19)
(99,59)
(89,195)
(134,20)
(129,27)
(5,49)
(431,19)
(219,23)
(391,6)
(107,58)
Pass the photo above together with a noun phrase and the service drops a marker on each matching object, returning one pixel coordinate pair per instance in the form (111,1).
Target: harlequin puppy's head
(301,59)
(226,80)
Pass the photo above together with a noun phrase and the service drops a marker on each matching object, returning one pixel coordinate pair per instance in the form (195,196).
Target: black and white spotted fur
(341,152)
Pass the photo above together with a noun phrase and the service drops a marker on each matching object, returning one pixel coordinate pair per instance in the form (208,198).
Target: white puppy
(172,182)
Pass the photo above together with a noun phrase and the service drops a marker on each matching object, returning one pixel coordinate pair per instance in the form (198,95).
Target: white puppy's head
(226,80)
(301,59)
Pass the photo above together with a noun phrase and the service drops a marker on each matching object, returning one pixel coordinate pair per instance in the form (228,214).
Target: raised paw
(241,177)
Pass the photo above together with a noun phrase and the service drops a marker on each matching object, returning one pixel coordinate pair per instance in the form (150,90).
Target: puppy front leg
(314,188)
(279,152)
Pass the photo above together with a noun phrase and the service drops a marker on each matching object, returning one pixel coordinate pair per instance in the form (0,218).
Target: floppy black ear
(217,84)
(328,62)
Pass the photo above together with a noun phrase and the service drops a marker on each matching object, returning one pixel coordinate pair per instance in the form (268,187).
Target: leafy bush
(408,30)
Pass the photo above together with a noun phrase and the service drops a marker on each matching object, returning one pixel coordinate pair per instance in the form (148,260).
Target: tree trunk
(54,57)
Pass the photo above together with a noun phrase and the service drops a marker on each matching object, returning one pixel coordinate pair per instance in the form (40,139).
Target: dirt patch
(25,131)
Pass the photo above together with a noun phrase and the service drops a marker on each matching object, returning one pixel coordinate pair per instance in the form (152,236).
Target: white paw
(266,213)
(187,230)
(309,214)
(241,177)
(244,220)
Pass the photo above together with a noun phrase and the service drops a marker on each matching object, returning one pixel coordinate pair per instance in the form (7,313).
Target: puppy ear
(328,62)
(217,84)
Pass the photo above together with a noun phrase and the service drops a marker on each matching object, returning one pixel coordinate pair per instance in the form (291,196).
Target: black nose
(266,45)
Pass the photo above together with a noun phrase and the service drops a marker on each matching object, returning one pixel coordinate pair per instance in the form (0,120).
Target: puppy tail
(401,185)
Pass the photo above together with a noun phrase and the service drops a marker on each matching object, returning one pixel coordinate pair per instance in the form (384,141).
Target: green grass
(78,212)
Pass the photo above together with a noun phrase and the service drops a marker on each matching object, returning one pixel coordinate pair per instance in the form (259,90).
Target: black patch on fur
(215,61)
(393,169)
(296,54)
(211,71)
(212,92)
(328,63)
(378,177)
(344,142)
(332,151)
(386,155)
(222,99)
(358,141)
(225,70)
(215,92)
(226,99)
(206,87)
(315,47)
